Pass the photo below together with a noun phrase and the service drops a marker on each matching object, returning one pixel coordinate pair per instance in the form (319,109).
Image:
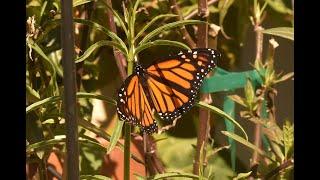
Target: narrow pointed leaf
(58,98)
(167,27)
(96,45)
(161,43)
(285,32)
(97,26)
(246,143)
(115,136)
(152,22)
(223,114)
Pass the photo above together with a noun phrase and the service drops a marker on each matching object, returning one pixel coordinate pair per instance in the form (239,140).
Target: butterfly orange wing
(174,83)
(134,106)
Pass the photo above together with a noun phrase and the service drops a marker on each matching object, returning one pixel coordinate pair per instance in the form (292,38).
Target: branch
(120,59)
(204,115)
(176,10)
(257,130)
(70,89)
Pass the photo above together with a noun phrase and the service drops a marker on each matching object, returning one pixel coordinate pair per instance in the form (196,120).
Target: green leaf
(153,21)
(167,27)
(115,136)
(285,32)
(44,5)
(284,77)
(238,100)
(96,45)
(81,2)
(246,143)
(94,177)
(223,114)
(223,6)
(57,140)
(161,43)
(288,138)
(97,26)
(175,174)
(279,6)
(48,121)
(249,93)
(32,92)
(242,175)
(58,98)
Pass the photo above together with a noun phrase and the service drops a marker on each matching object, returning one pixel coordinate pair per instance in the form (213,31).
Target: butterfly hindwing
(134,106)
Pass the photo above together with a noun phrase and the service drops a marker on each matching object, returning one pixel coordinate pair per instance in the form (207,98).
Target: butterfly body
(167,87)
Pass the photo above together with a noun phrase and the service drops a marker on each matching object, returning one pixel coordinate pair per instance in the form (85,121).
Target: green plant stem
(127,140)
(127,134)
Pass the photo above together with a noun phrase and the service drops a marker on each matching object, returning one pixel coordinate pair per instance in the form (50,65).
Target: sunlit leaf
(288,138)
(238,100)
(115,136)
(285,77)
(246,143)
(242,176)
(223,114)
(81,2)
(279,6)
(285,32)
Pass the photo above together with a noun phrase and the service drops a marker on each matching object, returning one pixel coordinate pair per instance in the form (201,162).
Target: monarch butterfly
(167,87)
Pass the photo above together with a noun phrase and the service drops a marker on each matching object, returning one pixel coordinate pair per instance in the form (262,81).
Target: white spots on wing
(194,56)
(183,56)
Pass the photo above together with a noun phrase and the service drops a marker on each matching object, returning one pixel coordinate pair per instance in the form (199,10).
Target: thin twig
(86,14)
(257,130)
(204,115)
(120,58)
(176,10)
(275,171)
(195,12)
(70,89)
